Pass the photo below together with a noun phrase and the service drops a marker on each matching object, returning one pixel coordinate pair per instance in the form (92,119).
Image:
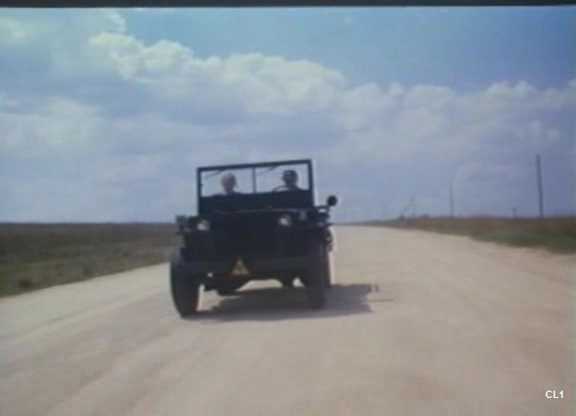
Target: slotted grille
(246,234)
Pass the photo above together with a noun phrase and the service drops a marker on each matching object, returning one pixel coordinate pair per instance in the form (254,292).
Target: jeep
(256,228)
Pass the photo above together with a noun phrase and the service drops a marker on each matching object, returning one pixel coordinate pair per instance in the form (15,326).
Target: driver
(290,179)
(228,182)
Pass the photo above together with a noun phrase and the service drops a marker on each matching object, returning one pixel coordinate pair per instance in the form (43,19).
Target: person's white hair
(228,178)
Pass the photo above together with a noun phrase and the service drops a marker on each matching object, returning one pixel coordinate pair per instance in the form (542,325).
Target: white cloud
(131,117)
(261,84)
(57,125)
(13,32)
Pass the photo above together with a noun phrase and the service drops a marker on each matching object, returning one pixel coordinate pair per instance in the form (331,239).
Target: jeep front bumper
(252,266)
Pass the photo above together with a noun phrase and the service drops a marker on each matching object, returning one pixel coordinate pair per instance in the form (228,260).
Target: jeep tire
(316,278)
(185,288)
(327,271)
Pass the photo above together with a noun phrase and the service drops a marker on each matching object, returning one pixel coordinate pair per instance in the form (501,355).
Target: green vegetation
(555,234)
(34,256)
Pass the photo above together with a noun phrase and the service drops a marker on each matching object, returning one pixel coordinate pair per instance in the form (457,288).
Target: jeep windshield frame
(256,198)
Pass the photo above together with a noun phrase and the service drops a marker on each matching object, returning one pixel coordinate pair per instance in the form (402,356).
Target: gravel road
(418,324)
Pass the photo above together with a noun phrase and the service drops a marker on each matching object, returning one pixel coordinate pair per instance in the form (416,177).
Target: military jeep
(260,229)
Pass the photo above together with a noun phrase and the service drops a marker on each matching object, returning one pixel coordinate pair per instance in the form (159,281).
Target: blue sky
(462,47)
(105,113)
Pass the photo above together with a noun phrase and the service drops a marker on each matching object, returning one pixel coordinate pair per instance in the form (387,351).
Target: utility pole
(453,179)
(406,211)
(451,200)
(540,190)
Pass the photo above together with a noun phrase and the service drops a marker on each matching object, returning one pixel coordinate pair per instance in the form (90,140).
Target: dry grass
(555,234)
(34,256)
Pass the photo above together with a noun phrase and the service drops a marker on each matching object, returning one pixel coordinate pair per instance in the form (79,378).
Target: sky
(106,113)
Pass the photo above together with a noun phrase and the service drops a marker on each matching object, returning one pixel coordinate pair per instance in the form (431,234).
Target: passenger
(290,179)
(229,184)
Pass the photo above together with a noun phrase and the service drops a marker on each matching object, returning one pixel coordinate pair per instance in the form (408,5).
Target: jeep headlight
(285,220)
(203,225)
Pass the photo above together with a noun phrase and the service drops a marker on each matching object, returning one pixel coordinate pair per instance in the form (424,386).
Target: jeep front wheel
(186,289)
(327,272)
(317,277)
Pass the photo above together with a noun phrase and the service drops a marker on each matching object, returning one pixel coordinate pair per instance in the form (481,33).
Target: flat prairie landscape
(556,234)
(35,256)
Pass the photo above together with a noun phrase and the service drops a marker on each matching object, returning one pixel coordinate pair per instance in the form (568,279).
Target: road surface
(419,324)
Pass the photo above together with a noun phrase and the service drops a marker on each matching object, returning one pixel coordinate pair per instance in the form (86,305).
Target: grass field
(555,234)
(34,256)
